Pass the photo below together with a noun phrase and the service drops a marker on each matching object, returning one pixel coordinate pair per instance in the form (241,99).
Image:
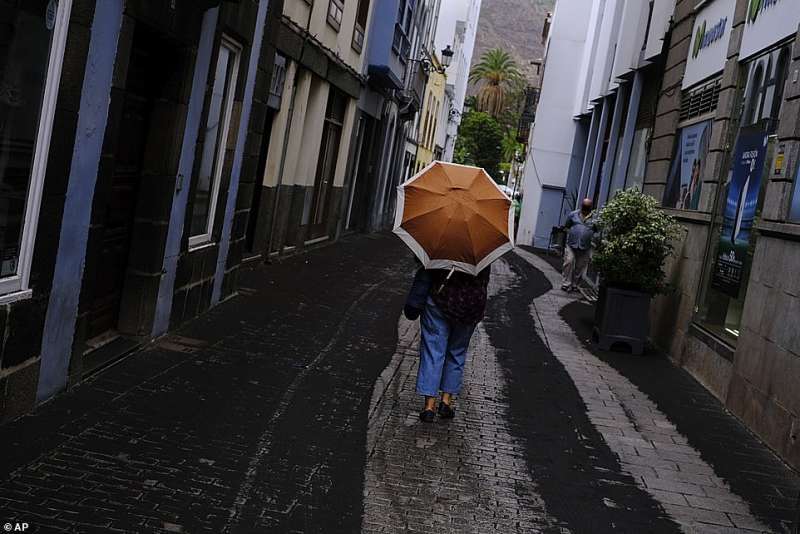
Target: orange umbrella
(454,217)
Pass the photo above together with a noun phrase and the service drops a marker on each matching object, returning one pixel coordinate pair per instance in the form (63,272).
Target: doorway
(363,176)
(326,165)
(120,180)
(253,221)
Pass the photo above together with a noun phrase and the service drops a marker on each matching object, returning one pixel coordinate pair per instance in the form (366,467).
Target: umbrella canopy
(454,216)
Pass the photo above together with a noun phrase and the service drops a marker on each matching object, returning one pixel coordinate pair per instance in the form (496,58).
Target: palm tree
(498,71)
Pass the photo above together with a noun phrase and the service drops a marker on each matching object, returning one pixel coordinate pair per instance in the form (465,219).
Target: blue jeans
(443,352)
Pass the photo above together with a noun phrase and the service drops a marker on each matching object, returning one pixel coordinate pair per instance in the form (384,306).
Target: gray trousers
(575,263)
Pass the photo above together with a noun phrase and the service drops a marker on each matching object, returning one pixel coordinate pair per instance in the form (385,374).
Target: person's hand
(411,313)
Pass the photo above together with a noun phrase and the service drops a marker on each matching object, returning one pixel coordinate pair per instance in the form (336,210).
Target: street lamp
(447,57)
(427,66)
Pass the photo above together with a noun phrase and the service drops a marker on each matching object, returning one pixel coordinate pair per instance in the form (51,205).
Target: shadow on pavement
(737,456)
(576,473)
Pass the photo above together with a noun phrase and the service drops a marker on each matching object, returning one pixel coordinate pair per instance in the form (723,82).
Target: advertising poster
(685,179)
(794,210)
(740,211)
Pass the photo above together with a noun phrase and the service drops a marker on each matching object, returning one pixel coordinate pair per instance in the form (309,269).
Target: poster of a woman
(685,180)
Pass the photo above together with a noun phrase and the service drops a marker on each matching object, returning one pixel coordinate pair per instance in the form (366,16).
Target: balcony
(386,57)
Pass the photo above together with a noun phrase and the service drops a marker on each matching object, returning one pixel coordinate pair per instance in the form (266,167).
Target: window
(278,81)
(638,161)
(700,101)
(688,168)
(335,10)
(361,24)
(402,29)
(733,239)
(31,51)
(215,137)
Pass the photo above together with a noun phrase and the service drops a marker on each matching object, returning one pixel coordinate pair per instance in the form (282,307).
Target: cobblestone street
(291,408)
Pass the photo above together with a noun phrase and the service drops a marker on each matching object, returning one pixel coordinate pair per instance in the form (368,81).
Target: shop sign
(709,50)
(740,211)
(685,178)
(768,22)
(704,38)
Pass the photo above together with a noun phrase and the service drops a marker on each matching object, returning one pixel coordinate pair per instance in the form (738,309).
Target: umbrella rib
(423,214)
(423,188)
(503,230)
(443,232)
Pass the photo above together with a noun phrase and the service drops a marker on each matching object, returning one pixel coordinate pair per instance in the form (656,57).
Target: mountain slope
(516,26)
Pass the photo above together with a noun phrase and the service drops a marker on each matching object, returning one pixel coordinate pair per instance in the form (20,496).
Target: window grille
(700,101)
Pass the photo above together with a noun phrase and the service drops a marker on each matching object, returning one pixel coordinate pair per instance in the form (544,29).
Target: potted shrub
(636,237)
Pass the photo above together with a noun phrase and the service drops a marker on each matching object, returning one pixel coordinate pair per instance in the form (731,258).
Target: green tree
(480,142)
(511,147)
(498,72)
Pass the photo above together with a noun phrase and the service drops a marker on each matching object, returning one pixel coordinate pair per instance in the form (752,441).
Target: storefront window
(214,143)
(733,240)
(685,179)
(638,161)
(31,31)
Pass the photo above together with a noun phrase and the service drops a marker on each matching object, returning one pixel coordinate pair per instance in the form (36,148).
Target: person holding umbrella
(457,221)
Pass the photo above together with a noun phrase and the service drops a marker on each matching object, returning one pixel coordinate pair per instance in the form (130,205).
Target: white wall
(659,24)
(590,36)
(450,14)
(553,134)
(631,37)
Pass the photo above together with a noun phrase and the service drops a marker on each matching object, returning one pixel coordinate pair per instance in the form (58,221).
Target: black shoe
(446,411)
(427,416)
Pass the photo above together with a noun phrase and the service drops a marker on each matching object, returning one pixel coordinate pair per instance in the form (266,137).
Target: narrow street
(291,408)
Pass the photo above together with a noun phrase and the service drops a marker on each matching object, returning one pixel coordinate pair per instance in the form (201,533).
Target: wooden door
(122,195)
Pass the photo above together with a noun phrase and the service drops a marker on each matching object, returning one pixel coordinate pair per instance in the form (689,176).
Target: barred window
(700,100)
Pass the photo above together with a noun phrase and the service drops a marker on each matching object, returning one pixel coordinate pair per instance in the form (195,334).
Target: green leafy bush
(636,238)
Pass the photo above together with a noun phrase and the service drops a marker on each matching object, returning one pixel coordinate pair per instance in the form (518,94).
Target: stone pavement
(291,408)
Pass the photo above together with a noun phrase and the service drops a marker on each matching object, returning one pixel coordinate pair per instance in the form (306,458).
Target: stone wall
(756,379)
(764,390)
(22,322)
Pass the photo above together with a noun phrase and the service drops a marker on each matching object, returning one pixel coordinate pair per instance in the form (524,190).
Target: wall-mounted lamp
(427,66)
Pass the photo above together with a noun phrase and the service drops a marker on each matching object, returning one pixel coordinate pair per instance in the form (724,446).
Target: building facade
(127,225)
(320,47)
(397,76)
(714,138)
(427,148)
(457,27)
(592,124)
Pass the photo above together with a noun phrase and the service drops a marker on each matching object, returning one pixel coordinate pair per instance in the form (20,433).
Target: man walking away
(580,230)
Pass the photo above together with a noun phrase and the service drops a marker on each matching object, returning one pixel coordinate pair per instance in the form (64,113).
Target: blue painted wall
(62,310)
(178,215)
(241,138)
(383,62)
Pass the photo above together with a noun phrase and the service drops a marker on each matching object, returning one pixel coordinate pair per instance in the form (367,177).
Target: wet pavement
(291,408)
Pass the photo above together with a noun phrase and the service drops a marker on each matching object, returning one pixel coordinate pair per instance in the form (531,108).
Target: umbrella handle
(452,270)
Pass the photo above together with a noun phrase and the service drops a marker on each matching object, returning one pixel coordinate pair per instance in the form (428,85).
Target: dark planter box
(622,316)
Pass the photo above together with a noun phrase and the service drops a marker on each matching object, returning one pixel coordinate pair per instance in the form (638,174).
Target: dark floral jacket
(461,298)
